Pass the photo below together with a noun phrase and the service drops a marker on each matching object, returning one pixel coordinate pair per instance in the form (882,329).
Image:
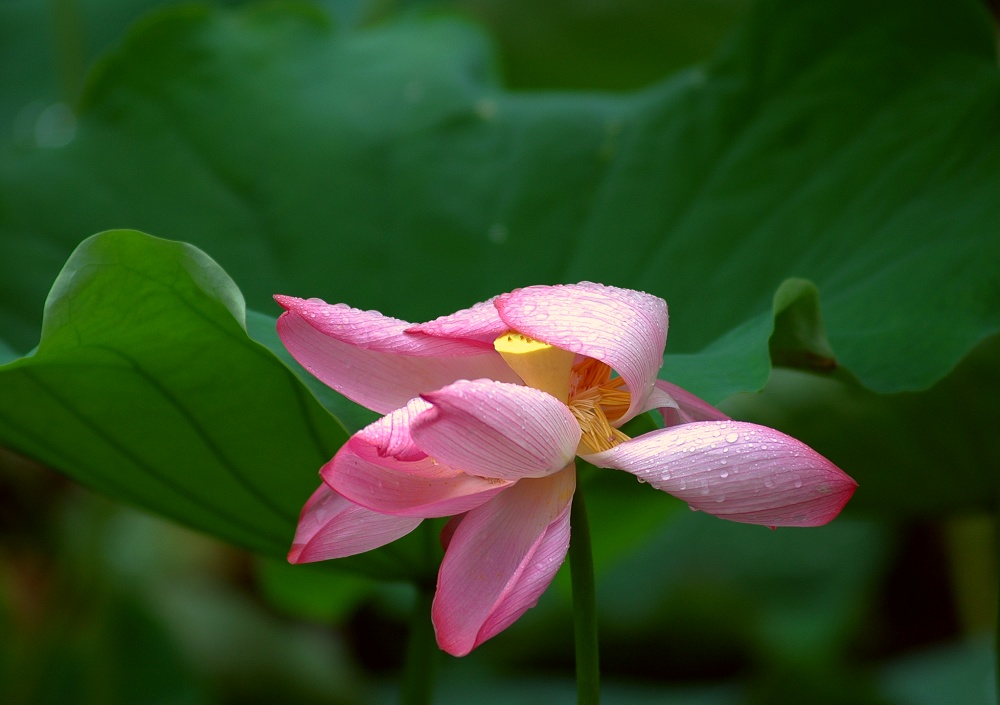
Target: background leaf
(804,149)
(131,391)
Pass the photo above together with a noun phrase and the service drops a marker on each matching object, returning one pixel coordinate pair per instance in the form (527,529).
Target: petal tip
(295,554)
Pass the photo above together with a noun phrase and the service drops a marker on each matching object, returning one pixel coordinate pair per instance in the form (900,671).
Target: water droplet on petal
(724,474)
(732,437)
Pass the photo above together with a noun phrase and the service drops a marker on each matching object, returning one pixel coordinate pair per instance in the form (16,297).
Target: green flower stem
(417,687)
(581,563)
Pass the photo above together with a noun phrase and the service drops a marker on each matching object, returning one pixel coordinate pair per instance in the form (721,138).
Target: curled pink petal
(677,405)
(479,325)
(390,435)
(382,469)
(737,471)
(500,559)
(625,329)
(330,526)
(497,430)
(420,488)
(371,359)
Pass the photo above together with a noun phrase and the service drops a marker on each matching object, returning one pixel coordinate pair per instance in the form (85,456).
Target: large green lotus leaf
(604,44)
(851,145)
(146,386)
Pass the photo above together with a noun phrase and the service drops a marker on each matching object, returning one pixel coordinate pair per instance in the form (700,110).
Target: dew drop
(732,437)
(798,483)
(724,474)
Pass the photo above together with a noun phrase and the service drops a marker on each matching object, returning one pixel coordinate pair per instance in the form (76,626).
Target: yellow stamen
(539,364)
(594,398)
(596,401)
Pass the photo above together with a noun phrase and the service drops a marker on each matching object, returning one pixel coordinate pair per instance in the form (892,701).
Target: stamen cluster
(596,400)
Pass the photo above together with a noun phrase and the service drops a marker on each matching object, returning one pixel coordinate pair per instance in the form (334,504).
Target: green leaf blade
(140,387)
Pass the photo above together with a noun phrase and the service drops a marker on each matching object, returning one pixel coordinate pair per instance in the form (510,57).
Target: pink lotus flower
(485,411)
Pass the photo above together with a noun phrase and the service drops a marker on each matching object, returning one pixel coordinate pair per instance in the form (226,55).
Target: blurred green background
(812,188)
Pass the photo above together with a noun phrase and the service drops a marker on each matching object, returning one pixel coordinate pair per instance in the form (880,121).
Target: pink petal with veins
(371,359)
(479,325)
(331,526)
(623,328)
(421,488)
(737,471)
(381,468)
(677,405)
(500,559)
(497,430)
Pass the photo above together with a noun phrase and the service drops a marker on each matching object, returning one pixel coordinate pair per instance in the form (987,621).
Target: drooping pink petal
(497,430)
(371,359)
(625,329)
(479,325)
(738,471)
(381,468)
(500,559)
(677,405)
(330,526)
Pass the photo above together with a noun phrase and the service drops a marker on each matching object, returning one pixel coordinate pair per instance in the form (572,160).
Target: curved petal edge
(331,526)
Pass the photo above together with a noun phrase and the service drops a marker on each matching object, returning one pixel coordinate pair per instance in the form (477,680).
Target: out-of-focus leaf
(957,674)
(518,689)
(392,157)
(311,591)
(790,595)
(146,386)
(601,44)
